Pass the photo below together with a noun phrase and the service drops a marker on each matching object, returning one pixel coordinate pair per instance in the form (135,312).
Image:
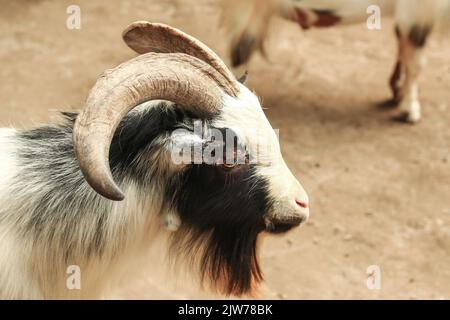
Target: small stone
(337,229)
(289,242)
(282,296)
(311,223)
(317,165)
(368,214)
(348,237)
(315,241)
(444,160)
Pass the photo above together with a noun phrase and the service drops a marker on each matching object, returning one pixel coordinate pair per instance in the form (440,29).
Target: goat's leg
(398,75)
(411,60)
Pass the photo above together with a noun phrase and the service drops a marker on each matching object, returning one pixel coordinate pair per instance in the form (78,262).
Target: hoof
(413,117)
(410,111)
(407,117)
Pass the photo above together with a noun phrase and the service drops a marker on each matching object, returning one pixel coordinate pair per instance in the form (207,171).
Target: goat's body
(406,12)
(15,280)
(50,219)
(348,11)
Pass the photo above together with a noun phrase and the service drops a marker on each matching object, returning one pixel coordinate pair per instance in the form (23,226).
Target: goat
(63,186)
(247,23)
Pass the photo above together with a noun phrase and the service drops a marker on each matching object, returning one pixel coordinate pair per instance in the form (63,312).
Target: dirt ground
(380,190)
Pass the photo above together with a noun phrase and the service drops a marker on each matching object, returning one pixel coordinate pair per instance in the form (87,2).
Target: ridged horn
(183,79)
(144,37)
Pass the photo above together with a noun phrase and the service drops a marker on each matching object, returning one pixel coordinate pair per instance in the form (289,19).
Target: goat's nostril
(301,203)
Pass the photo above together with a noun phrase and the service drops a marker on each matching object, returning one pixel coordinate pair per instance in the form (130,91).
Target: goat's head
(238,187)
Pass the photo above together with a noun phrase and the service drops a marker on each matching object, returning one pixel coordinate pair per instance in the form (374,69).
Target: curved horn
(177,77)
(144,37)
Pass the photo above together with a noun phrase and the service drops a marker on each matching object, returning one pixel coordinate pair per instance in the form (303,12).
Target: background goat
(58,183)
(247,23)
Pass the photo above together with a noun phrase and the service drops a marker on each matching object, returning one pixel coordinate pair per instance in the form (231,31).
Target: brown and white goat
(247,23)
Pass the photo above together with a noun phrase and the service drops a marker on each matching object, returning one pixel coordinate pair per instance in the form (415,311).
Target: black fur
(222,214)
(48,160)
(222,210)
(418,35)
(134,137)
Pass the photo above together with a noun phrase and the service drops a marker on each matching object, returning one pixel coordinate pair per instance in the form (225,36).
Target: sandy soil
(380,190)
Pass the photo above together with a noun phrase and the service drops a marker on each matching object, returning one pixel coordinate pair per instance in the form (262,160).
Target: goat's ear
(243,79)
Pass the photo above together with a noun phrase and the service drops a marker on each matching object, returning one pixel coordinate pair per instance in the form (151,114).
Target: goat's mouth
(283,225)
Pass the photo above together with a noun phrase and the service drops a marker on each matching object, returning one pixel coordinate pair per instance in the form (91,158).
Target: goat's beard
(225,257)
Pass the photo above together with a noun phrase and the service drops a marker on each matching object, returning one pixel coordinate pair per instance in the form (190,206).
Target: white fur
(7,159)
(37,270)
(246,117)
(14,276)
(29,272)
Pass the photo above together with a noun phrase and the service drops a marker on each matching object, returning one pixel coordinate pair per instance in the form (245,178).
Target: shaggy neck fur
(51,218)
